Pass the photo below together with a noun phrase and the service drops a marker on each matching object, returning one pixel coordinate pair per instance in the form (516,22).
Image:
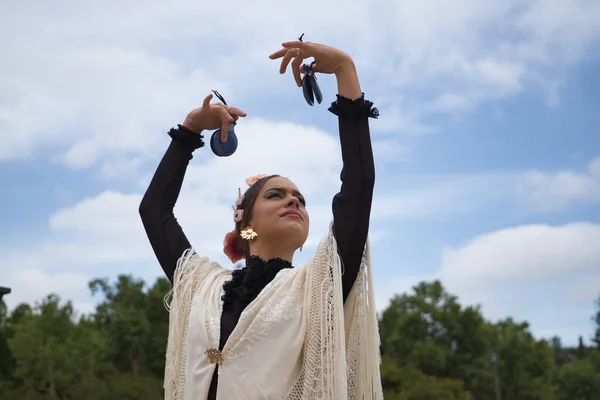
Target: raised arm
(352,205)
(156,209)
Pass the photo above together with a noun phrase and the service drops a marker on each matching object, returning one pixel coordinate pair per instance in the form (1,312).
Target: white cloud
(585,288)
(27,282)
(87,217)
(594,168)
(544,274)
(433,197)
(306,154)
(450,196)
(554,191)
(525,252)
(97,103)
(528,273)
(91,82)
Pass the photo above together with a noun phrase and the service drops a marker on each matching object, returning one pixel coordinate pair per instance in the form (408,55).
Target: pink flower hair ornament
(253,179)
(230,247)
(230,242)
(238,213)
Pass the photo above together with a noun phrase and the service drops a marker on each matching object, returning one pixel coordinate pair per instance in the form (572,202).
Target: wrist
(190,126)
(346,68)
(347,79)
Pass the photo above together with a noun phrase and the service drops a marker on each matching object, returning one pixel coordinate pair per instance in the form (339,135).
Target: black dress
(351,212)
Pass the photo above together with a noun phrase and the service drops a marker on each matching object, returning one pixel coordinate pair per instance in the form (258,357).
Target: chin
(295,235)
(289,231)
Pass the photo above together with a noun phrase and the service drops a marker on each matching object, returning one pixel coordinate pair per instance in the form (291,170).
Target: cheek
(306,214)
(265,213)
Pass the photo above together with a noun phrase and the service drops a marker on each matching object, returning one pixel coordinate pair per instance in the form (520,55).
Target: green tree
(432,349)
(6,358)
(8,380)
(429,331)
(158,317)
(581,349)
(415,385)
(527,366)
(579,380)
(135,323)
(560,354)
(122,317)
(50,352)
(596,319)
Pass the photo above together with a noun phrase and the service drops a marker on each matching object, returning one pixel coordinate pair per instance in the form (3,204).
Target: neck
(268,252)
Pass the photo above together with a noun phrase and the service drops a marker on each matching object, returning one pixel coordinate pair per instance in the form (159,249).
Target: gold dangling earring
(248,234)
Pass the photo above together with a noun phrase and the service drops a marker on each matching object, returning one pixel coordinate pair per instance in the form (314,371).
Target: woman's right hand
(212,116)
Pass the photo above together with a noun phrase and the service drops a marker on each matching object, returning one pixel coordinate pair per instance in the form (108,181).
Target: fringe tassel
(373,342)
(177,301)
(337,378)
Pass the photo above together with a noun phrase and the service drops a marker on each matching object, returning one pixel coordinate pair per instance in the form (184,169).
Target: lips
(292,213)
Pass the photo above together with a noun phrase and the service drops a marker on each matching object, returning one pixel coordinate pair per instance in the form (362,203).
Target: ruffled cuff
(188,138)
(354,109)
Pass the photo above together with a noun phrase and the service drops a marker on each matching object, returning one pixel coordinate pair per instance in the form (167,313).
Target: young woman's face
(279,212)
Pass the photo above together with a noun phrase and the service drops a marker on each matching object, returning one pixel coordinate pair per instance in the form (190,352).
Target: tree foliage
(117,352)
(433,348)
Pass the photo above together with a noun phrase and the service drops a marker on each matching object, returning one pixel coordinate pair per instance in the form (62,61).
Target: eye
(272,195)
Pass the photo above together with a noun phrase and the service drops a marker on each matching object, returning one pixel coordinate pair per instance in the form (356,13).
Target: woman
(269,330)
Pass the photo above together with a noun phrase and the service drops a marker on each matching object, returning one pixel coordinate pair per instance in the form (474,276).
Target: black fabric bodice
(247,282)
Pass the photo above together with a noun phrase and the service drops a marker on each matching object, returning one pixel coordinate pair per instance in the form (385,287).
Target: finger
(296,66)
(224,132)
(287,58)
(236,112)
(297,44)
(226,119)
(278,54)
(206,102)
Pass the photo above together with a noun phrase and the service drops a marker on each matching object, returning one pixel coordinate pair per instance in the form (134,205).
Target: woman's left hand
(328,60)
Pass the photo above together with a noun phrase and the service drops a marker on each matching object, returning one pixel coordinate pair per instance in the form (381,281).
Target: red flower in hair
(230,247)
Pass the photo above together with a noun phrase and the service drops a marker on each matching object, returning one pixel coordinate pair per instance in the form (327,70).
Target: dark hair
(248,205)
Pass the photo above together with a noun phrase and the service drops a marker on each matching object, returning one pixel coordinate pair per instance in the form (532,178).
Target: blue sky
(487,149)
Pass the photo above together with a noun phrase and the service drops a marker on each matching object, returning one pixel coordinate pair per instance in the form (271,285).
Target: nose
(293,202)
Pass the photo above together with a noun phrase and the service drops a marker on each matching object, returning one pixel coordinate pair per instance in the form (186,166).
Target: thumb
(206,102)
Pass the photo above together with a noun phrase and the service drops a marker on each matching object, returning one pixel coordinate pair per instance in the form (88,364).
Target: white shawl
(296,341)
